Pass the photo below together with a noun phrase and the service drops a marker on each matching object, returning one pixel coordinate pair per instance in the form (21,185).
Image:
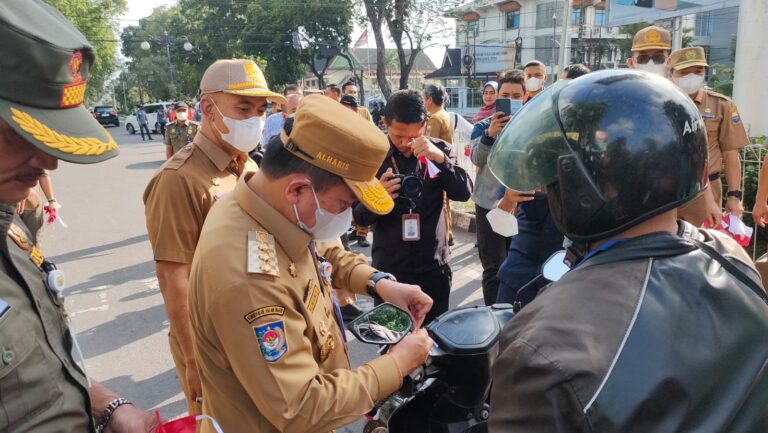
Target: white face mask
(653,68)
(502,222)
(243,135)
(328,226)
(533,84)
(690,83)
(181,115)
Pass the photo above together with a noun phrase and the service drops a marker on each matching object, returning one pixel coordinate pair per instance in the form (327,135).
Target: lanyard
(604,247)
(397,169)
(336,307)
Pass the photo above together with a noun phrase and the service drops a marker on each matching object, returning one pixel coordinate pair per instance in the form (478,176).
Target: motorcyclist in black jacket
(660,326)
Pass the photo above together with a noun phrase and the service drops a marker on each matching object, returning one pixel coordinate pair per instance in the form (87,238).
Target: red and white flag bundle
(734,227)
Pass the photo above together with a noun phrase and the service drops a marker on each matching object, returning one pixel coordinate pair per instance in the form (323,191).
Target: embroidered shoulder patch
(264,311)
(272,340)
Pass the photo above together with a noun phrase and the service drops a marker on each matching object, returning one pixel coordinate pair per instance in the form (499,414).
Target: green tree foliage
(294,36)
(97,21)
(412,25)
(220,29)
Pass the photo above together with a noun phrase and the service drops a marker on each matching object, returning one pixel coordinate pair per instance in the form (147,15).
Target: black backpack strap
(732,269)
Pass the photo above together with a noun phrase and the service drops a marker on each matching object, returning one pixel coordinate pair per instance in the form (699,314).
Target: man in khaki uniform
(650,50)
(361,232)
(272,354)
(42,121)
(439,123)
(725,134)
(439,126)
(350,88)
(181,132)
(179,196)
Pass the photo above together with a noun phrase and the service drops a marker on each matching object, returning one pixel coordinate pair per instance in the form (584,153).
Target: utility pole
(750,92)
(677,33)
(564,42)
(168,58)
(125,100)
(554,45)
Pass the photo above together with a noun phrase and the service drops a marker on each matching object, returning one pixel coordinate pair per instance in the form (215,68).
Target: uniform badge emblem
(75,64)
(652,37)
(250,72)
(272,340)
(262,255)
(19,238)
(327,348)
(252,316)
(690,55)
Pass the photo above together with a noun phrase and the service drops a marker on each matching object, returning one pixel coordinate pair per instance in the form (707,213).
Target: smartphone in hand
(508,106)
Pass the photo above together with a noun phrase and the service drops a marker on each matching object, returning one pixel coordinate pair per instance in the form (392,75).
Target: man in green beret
(45,70)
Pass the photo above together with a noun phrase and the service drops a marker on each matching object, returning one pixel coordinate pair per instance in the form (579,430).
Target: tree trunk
(376,16)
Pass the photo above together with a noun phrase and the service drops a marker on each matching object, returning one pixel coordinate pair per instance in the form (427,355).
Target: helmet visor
(525,154)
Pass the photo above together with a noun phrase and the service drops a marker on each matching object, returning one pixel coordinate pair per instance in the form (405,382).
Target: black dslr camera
(411,186)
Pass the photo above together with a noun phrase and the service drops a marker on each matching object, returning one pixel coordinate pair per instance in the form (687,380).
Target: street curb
(464,221)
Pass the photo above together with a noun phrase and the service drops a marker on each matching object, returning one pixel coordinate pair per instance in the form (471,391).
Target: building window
(599,17)
(544,13)
(704,23)
(513,19)
(473,28)
(576,16)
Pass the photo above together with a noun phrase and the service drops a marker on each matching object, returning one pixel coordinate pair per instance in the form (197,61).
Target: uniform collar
(220,158)
(291,238)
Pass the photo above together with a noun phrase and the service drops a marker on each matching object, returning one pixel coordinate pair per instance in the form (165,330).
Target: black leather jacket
(652,336)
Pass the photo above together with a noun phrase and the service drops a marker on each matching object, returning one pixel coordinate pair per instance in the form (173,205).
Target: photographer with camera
(411,241)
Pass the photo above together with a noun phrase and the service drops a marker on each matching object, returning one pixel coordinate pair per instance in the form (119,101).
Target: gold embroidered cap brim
(71,134)
(372,195)
(271,96)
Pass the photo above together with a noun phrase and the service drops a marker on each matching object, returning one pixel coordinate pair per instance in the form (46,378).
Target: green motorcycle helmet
(612,148)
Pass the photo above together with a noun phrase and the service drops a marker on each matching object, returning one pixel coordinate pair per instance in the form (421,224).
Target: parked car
(132,125)
(106,115)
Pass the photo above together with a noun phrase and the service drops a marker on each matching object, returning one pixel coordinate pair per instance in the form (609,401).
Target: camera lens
(411,187)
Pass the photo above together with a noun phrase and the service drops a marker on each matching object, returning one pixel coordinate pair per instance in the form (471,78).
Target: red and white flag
(362,41)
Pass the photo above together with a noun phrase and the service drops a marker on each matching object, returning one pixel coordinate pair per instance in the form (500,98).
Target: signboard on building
(491,59)
(622,12)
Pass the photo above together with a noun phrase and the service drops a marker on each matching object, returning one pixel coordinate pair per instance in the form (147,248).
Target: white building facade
(498,35)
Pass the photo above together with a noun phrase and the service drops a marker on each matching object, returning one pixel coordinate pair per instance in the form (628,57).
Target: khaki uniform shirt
(182,192)
(270,351)
(439,126)
(177,136)
(725,130)
(364,113)
(41,387)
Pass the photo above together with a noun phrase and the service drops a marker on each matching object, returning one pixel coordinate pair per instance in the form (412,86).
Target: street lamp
(167,41)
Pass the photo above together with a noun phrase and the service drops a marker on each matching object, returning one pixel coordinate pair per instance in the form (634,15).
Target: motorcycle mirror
(555,267)
(385,324)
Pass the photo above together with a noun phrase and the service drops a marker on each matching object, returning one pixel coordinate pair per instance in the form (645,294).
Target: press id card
(411,227)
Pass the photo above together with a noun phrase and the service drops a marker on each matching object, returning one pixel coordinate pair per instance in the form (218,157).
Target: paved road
(113,296)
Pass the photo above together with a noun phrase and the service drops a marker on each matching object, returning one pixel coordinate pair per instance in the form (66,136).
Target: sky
(138,9)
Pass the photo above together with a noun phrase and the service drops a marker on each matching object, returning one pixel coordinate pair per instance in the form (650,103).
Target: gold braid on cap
(375,196)
(87,146)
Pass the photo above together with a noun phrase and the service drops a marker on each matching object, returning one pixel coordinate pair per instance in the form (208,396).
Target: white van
(132,125)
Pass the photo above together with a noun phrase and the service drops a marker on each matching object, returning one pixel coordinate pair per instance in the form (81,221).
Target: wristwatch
(737,193)
(370,285)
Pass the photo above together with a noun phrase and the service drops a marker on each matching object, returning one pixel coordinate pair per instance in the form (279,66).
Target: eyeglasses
(657,58)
